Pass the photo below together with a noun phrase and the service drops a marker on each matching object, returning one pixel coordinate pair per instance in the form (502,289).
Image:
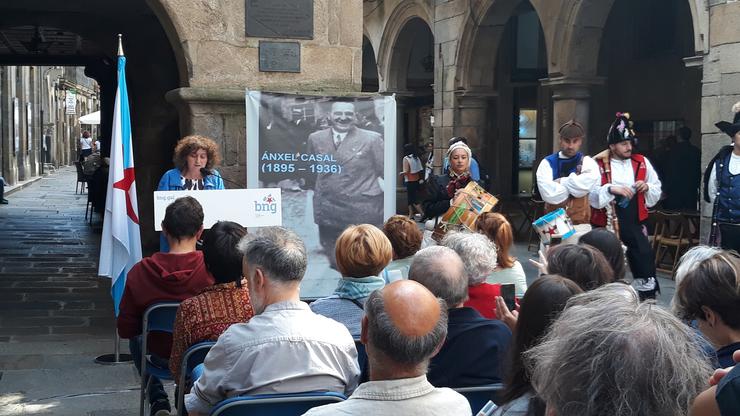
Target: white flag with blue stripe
(120,247)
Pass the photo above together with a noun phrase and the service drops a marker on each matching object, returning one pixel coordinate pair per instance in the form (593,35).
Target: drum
(554,224)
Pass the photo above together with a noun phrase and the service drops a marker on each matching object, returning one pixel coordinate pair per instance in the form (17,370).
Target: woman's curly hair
(190,144)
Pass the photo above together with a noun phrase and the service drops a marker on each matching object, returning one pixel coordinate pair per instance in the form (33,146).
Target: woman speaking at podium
(194,159)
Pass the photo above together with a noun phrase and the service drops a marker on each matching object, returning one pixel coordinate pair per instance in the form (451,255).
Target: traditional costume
(626,217)
(565,182)
(722,187)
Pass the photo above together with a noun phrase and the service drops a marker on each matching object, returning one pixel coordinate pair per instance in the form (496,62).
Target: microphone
(207,172)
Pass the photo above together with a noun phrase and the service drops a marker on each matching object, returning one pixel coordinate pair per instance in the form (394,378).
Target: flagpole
(115,358)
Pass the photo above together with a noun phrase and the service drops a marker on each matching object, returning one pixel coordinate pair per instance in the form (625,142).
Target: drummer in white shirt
(565,178)
(629,186)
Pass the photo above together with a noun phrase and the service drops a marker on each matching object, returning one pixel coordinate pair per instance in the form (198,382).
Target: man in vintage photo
(351,193)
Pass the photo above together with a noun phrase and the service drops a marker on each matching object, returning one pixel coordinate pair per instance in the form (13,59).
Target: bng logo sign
(268,204)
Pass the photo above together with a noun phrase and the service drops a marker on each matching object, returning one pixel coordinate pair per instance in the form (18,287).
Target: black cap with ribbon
(731,128)
(621,129)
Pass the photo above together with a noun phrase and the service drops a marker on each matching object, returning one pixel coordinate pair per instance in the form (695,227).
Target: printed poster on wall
(332,158)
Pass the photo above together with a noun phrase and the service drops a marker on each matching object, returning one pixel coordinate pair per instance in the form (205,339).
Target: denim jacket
(172,181)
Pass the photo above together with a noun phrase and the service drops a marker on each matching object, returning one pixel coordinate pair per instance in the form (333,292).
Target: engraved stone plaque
(280,56)
(279,18)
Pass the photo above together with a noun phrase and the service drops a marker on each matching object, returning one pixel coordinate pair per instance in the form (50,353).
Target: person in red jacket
(629,186)
(164,277)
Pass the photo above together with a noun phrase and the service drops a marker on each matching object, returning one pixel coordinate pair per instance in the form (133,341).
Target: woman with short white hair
(478,254)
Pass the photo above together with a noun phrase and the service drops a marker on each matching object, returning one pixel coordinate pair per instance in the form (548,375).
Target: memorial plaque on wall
(280,56)
(279,18)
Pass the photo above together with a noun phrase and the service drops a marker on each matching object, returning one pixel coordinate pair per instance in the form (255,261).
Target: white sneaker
(644,285)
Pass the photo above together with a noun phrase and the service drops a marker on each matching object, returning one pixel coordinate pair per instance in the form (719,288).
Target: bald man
(475,347)
(404,326)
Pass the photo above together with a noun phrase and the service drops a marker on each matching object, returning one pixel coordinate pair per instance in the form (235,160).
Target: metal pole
(115,358)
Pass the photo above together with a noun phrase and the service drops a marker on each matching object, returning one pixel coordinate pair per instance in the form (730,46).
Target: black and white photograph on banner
(330,156)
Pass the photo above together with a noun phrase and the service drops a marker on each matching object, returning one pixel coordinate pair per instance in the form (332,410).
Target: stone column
(221,113)
(571,99)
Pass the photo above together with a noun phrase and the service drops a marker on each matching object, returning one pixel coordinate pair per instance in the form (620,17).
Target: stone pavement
(56,315)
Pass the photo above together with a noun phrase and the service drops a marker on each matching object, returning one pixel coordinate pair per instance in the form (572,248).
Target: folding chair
(158,317)
(275,404)
(194,355)
(81,178)
(479,396)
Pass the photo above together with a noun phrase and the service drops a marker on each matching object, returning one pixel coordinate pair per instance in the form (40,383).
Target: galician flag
(120,247)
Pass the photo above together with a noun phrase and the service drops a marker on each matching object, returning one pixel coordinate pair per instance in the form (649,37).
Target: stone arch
(369,66)
(389,51)
(175,32)
(577,41)
(476,52)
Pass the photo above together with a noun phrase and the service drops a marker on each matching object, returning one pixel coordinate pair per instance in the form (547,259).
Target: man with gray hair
(609,354)
(403,327)
(284,348)
(475,346)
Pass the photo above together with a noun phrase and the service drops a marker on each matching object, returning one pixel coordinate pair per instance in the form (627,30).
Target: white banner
(248,207)
(70,102)
(335,160)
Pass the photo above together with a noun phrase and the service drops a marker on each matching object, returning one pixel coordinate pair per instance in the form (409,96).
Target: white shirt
(414,163)
(577,185)
(624,175)
(734,170)
(285,349)
(405,396)
(85,143)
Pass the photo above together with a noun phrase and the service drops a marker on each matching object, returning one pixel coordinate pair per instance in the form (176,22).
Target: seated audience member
(582,264)
(723,398)
(284,348)
(164,277)
(478,254)
(609,354)
(475,346)
(542,303)
(405,237)
(205,316)
(508,269)
(404,326)
(691,260)
(710,294)
(362,251)
(609,245)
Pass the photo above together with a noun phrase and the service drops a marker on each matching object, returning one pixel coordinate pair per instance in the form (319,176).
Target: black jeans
(156,389)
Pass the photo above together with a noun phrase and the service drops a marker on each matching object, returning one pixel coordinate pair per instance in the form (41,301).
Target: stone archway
(484,32)
(369,67)
(492,88)
(577,41)
(391,52)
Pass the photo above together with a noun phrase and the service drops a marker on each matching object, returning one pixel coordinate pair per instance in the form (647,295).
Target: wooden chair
(673,235)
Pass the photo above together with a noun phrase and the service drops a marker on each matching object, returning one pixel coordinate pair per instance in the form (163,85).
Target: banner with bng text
(334,158)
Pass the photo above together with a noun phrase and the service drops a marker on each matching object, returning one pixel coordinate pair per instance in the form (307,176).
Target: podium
(261,207)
